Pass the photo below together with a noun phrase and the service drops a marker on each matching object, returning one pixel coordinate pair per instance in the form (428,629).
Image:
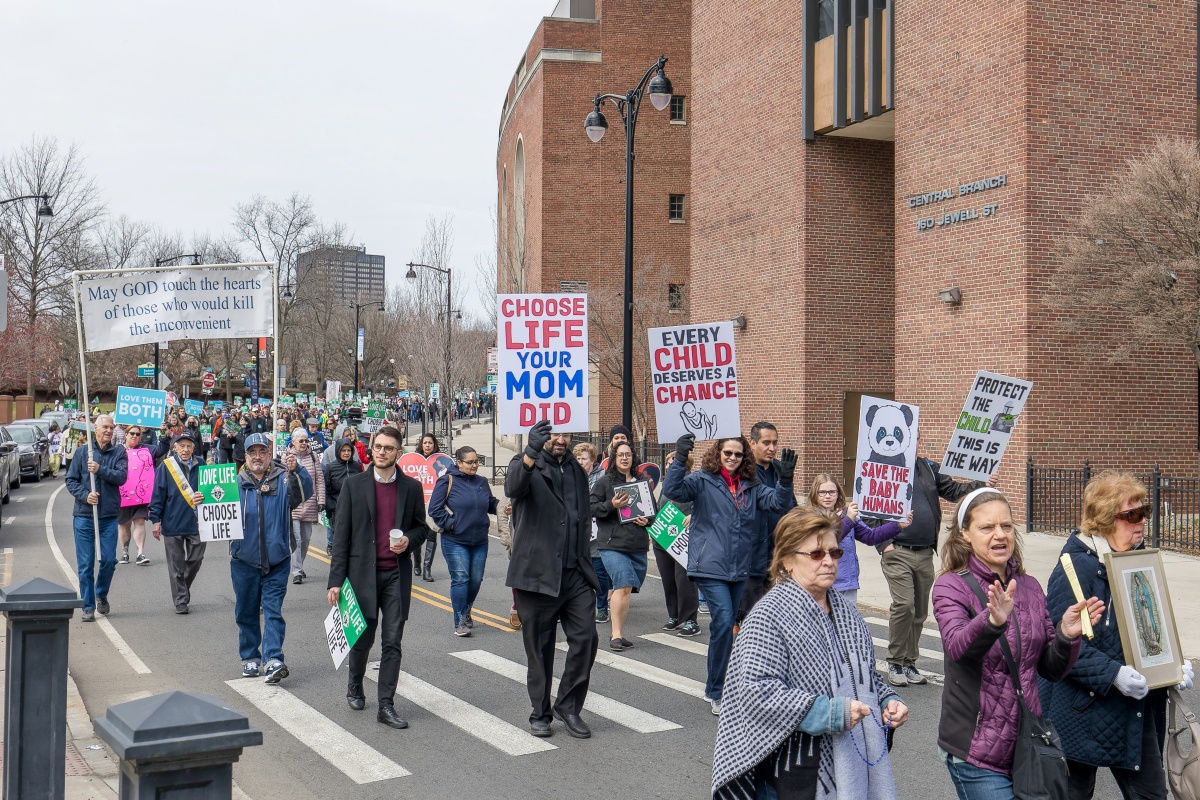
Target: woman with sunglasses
(305,515)
(726,498)
(977,733)
(827,493)
(805,712)
(1104,712)
(460,505)
(135,497)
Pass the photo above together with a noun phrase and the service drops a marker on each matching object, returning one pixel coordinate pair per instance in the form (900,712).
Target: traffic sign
(209,381)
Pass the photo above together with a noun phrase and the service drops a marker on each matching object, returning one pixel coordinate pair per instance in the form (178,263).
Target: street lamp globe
(595,124)
(412,273)
(660,91)
(44,210)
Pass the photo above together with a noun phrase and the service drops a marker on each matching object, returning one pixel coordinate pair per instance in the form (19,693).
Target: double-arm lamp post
(659,87)
(412,276)
(158,262)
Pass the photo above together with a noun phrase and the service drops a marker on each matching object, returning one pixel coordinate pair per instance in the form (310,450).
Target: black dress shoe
(355,697)
(575,726)
(541,728)
(388,716)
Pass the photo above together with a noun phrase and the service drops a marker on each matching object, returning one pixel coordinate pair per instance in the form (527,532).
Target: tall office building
(353,273)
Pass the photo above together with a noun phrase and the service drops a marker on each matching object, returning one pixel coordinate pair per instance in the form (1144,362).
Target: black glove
(787,465)
(684,445)
(539,434)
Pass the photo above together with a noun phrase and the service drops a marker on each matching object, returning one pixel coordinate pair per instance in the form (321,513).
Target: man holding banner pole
(95,483)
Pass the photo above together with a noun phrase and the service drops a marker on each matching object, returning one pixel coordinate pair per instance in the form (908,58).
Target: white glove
(1131,683)
(1189,677)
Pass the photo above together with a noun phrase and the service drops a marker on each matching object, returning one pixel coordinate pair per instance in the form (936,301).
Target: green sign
(281,442)
(301,398)
(670,531)
(71,404)
(344,625)
(220,513)
(206,433)
(286,402)
(375,418)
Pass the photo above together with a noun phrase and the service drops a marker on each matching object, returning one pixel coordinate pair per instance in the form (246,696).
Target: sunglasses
(819,555)
(1134,515)
(731,454)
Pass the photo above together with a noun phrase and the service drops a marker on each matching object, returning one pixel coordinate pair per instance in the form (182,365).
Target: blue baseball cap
(255,439)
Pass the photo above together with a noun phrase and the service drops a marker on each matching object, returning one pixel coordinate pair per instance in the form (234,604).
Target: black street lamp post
(412,275)
(158,262)
(357,308)
(595,125)
(44,210)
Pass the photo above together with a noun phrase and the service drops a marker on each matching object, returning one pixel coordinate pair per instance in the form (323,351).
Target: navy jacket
(114,470)
(764,538)
(167,505)
(722,539)
(470,501)
(269,512)
(337,472)
(1098,724)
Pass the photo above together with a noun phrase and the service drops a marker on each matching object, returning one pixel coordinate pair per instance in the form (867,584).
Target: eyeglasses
(730,454)
(1135,515)
(383,448)
(819,555)
(474,463)
(827,492)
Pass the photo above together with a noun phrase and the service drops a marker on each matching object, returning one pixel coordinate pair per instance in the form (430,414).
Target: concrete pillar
(177,744)
(24,407)
(35,688)
(6,409)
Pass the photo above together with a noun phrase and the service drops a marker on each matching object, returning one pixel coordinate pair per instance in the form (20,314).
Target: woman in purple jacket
(827,493)
(980,714)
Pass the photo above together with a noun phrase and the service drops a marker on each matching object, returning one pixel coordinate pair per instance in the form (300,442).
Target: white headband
(966,502)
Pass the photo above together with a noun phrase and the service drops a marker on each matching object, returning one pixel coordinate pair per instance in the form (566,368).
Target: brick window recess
(573,287)
(677,109)
(675,207)
(675,297)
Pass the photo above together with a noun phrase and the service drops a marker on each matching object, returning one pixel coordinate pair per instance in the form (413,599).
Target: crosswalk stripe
(936,655)
(20,499)
(647,672)
(486,727)
(356,759)
(679,643)
(936,678)
(616,711)
(932,632)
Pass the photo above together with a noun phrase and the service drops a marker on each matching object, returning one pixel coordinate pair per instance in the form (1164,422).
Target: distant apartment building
(353,273)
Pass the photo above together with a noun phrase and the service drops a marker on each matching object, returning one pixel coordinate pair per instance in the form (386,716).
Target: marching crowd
(791,663)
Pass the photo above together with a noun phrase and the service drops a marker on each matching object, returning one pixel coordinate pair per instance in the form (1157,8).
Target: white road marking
(620,713)
(13,520)
(357,760)
(936,655)
(19,500)
(118,642)
(647,672)
(933,632)
(678,642)
(490,729)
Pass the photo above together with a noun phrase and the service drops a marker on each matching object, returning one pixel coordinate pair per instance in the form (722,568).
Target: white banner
(695,381)
(983,428)
(543,361)
(887,458)
(148,307)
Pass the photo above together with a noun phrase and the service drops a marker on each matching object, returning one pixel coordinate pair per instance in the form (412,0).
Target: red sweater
(385,517)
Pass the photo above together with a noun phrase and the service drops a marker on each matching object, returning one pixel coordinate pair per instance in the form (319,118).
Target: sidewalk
(1040,552)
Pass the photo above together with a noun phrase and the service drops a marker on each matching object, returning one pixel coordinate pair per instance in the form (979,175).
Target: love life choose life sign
(220,512)
(542,361)
(694,371)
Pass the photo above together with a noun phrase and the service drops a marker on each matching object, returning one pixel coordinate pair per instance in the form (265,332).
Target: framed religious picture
(641,500)
(1142,606)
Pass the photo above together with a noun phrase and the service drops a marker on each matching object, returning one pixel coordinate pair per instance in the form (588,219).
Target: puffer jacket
(267,507)
(1098,724)
(856,529)
(310,509)
(462,510)
(979,704)
(721,540)
(611,533)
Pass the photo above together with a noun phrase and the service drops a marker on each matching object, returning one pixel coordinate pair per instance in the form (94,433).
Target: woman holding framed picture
(1106,711)
(621,534)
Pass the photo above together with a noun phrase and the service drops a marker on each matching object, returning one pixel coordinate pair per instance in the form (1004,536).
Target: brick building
(561,197)
(823,136)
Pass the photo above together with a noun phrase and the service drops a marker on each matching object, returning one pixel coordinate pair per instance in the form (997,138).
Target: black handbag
(1039,769)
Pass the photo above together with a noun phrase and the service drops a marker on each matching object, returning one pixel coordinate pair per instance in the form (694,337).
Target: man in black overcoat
(372,505)
(550,568)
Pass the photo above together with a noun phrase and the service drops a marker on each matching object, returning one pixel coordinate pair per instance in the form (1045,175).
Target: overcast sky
(382,112)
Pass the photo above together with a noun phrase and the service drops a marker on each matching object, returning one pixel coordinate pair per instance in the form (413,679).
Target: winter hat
(615,429)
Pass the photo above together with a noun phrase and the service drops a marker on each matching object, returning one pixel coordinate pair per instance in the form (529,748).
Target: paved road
(465,699)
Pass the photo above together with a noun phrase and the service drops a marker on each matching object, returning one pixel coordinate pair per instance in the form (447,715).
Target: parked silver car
(10,466)
(34,447)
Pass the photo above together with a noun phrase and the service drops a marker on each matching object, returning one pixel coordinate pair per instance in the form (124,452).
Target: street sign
(145,370)
(209,380)
(435,391)
(206,390)
(493,360)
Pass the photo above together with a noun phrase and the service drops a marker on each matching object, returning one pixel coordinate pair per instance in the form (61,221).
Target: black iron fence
(1054,503)
(646,451)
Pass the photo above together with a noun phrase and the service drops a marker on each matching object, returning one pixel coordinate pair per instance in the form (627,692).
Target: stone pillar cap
(38,594)
(175,724)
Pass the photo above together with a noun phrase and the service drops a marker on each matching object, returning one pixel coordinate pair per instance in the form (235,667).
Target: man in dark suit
(381,517)
(550,569)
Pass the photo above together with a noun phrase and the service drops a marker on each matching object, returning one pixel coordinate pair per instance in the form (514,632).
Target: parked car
(34,448)
(63,418)
(41,424)
(10,466)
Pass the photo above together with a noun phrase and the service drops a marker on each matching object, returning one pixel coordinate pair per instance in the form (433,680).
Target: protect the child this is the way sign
(343,625)
(695,381)
(887,457)
(985,425)
(669,531)
(220,513)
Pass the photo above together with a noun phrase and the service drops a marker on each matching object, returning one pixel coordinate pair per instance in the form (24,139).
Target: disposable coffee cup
(395,535)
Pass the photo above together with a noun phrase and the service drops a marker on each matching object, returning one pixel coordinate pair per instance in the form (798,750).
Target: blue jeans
(253,591)
(723,598)
(94,585)
(605,583)
(976,783)
(465,563)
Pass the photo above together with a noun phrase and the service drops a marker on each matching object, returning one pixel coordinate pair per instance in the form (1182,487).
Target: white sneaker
(716,707)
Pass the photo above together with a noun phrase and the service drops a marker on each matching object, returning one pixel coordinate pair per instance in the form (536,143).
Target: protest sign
(983,428)
(206,433)
(695,381)
(193,408)
(543,361)
(220,512)
(887,456)
(148,307)
(424,469)
(670,532)
(375,417)
(216,405)
(335,637)
(138,488)
(281,443)
(344,624)
(333,391)
(146,407)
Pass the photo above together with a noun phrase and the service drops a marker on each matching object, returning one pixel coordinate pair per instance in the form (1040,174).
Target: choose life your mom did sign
(887,458)
(543,361)
(695,381)
(985,425)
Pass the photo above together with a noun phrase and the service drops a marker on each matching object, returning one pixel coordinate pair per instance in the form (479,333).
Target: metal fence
(647,451)
(1054,503)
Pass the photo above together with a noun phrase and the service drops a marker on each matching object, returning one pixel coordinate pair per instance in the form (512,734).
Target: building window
(677,109)
(573,287)
(675,297)
(675,208)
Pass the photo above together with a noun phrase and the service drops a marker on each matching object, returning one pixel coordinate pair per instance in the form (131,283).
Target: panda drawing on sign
(891,432)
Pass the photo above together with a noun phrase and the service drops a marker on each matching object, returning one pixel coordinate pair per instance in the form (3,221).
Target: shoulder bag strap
(1008,656)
